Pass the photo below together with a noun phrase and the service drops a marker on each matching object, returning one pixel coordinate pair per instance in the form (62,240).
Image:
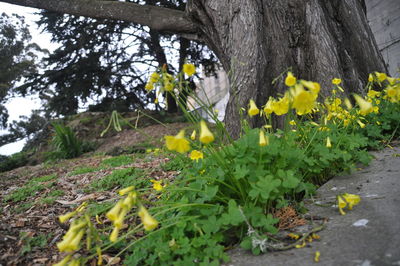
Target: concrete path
(368,235)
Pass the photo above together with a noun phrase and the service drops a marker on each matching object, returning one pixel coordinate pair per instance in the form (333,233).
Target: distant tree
(18,58)
(109,61)
(25,128)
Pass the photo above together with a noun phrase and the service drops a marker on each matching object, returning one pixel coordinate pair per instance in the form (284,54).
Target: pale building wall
(384,20)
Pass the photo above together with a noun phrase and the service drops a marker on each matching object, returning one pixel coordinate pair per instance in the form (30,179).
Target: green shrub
(117,161)
(65,142)
(118,178)
(14,161)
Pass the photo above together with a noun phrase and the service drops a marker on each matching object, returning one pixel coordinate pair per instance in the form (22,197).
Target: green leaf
(246,243)
(233,216)
(290,181)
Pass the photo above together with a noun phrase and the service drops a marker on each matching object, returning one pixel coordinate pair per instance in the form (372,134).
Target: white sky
(23,106)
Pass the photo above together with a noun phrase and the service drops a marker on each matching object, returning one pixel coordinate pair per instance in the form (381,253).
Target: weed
(118,178)
(65,142)
(83,170)
(47,200)
(25,192)
(30,243)
(99,208)
(44,178)
(176,164)
(24,207)
(56,193)
(117,161)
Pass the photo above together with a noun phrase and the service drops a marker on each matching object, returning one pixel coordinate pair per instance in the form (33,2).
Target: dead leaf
(40,260)
(78,200)
(111,260)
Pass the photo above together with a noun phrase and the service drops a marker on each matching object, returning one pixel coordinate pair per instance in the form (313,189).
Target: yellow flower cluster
(149,223)
(196,155)
(302,97)
(165,81)
(347,200)
(118,212)
(73,237)
(189,69)
(180,144)
(157,185)
(177,143)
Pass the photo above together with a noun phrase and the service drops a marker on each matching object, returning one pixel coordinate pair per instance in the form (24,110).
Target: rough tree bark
(256,40)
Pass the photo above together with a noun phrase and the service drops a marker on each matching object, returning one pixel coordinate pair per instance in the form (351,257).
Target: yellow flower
(130,200)
(64,261)
(196,155)
(189,69)
(98,219)
(149,86)
(114,234)
(292,122)
(112,214)
(253,110)
(317,255)
(71,241)
(264,140)
(348,104)
(157,185)
(315,236)
(304,102)
(154,77)
(391,80)
(268,106)
(351,200)
(206,136)
(365,106)
(372,94)
(381,76)
(168,86)
(361,124)
(336,81)
(149,223)
(126,190)
(290,80)
(177,143)
(303,244)
(156,100)
(391,92)
(314,87)
(119,222)
(328,142)
(341,204)
(281,107)
(293,236)
(370,78)
(100,257)
(193,136)
(66,217)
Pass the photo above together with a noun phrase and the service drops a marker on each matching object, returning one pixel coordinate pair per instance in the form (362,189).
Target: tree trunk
(258,40)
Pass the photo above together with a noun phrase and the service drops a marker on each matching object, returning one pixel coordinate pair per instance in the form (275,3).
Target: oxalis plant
(228,189)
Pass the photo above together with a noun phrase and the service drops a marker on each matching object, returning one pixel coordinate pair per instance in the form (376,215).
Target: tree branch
(155,17)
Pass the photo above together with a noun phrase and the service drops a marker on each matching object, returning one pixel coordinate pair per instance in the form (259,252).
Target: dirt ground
(29,229)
